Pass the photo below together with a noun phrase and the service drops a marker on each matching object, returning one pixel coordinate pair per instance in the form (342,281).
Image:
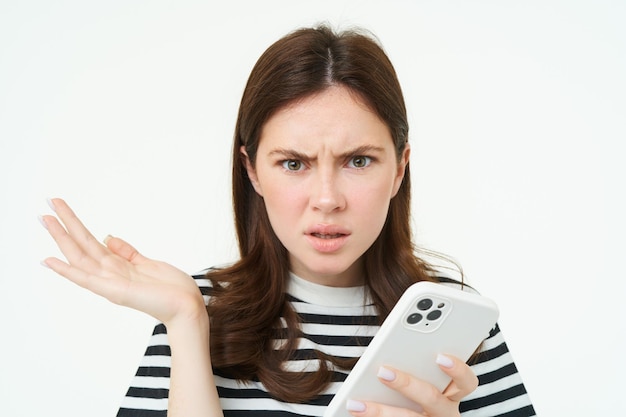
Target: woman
(321,196)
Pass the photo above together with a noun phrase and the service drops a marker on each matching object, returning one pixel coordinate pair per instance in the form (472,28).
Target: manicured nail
(44,264)
(354,405)
(444,361)
(106,239)
(386,374)
(43,223)
(51,204)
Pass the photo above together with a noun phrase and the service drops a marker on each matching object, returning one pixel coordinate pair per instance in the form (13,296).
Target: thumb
(124,249)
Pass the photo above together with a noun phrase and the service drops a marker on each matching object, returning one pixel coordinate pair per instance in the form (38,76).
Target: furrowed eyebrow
(290,154)
(363,150)
(293,154)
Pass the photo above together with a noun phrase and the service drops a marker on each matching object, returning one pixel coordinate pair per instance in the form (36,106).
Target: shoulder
(453,279)
(204,283)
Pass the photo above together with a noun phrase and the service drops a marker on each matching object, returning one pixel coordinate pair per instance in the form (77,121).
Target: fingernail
(44,264)
(51,204)
(444,361)
(386,374)
(106,239)
(42,222)
(354,405)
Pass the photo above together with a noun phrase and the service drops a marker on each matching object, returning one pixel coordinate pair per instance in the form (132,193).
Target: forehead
(336,116)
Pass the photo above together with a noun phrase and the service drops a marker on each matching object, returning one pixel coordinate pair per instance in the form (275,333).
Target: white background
(126,109)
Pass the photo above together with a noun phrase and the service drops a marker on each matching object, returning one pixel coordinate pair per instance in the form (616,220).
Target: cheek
(381,189)
(372,202)
(279,194)
(283,204)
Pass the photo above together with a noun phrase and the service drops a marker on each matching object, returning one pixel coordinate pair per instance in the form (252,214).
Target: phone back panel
(428,319)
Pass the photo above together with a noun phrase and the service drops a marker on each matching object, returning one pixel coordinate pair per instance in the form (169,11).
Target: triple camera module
(428,314)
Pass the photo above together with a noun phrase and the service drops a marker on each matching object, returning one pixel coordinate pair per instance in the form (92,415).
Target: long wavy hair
(249,297)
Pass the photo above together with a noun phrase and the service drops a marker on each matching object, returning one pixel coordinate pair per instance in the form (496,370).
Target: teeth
(321,236)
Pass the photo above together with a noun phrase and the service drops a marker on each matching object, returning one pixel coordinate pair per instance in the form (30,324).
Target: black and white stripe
(338,330)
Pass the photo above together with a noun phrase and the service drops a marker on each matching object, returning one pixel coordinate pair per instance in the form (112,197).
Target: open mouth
(326,236)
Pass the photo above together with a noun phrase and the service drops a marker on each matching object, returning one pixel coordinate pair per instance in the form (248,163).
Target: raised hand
(118,272)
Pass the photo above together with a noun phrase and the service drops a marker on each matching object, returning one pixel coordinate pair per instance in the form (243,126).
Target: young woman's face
(327,169)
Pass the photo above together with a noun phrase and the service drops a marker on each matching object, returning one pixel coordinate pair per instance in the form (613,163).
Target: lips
(323,229)
(327,238)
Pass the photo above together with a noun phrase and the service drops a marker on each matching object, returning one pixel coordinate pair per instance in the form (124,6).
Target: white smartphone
(428,319)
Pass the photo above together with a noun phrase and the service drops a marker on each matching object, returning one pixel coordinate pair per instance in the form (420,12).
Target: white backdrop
(126,109)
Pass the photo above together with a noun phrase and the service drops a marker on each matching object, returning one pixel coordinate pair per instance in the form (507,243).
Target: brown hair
(249,297)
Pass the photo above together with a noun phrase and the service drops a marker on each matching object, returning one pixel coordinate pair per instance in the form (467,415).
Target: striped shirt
(336,321)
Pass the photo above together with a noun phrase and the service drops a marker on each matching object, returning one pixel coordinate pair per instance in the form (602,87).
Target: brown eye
(292,165)
(360,161)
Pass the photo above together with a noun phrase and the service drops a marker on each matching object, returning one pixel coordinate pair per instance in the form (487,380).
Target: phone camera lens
(434,315)
(425,304)
(414,318)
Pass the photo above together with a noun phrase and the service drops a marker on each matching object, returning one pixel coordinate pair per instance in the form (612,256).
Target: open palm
(118,272)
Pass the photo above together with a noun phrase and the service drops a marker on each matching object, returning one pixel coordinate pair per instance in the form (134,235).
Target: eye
(292,165)
(360,161)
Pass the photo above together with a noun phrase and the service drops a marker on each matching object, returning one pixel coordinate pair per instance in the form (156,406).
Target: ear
(401,170)
(251,171)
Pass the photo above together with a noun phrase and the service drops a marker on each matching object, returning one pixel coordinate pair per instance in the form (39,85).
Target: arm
(119,273)
(192,388)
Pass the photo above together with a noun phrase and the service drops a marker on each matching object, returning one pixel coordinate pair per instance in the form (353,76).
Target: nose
(326,192)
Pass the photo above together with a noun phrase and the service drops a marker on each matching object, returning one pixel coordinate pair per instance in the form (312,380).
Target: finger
(426,395)
(372,409)
(108,288)
(124,249)
(68,246)
(464,381)
(76,229)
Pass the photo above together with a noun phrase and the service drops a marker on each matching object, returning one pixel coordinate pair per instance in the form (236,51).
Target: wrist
(191,320)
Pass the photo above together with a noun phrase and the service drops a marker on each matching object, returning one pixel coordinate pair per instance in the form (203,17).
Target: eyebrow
(293,154)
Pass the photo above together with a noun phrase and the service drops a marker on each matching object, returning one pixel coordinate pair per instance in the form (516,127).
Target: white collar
(324,295)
